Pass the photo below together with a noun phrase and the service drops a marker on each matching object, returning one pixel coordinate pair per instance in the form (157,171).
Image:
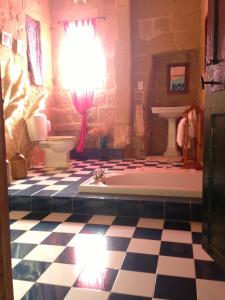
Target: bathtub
(155,182)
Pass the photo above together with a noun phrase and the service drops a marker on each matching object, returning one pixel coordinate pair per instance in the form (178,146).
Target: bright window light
(82,61)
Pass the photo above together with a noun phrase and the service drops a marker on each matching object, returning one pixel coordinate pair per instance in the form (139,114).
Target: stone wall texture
(140,37)
(111,106)
(164,32)
(12,20)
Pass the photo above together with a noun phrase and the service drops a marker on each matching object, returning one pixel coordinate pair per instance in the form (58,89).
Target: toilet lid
(60,138)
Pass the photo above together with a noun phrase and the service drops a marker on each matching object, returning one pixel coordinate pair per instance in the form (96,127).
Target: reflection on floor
(85,257)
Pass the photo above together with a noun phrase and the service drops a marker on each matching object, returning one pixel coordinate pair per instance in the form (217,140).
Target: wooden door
(214,136)
(6,291)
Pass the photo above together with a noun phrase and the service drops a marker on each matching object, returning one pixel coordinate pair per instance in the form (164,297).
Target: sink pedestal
(171,114)
(171,149)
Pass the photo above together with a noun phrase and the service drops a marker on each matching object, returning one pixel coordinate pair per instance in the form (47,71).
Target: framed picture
(177,78)
(6,39)
(20,48)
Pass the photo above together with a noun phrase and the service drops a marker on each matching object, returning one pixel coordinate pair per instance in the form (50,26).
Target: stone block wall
(12,20)
(111,106)
(163,32)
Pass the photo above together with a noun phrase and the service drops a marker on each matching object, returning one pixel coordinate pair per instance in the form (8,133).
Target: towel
(139,120)
(181,131)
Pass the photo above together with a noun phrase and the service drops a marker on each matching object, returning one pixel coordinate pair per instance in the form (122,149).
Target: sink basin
(170,112)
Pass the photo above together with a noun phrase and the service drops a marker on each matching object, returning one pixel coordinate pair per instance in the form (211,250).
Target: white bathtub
(180,183)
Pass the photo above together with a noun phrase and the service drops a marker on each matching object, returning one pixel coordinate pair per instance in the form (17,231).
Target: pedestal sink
(171,113)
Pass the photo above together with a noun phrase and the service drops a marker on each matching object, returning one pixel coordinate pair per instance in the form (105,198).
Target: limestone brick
(146,30)
(186,5)
(121,135)
(162,44)
(123,106)
(162,25)
(189,40)
(185,21)
(153,8)
(92,115)
(111,98)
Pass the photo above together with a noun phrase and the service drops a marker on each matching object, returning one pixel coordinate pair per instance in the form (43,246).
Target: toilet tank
(37,127)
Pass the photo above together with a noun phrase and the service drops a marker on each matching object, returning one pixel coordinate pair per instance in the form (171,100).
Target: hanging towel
(139,120)
(180,132)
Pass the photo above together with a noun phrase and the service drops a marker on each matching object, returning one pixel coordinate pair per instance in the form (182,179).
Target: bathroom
(140,39)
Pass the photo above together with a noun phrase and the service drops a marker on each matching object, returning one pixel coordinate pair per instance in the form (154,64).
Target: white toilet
(56,148)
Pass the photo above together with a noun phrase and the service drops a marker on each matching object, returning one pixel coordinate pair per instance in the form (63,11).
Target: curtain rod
(96,18)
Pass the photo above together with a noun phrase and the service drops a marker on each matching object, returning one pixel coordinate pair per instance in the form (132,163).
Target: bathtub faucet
(99,174)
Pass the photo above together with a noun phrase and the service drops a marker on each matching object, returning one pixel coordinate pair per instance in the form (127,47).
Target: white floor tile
(144,246)
(57,217)
(69,227)
(61,175)
(56,187)
(120,231)
(114,259)
(210,289)
(15,261)
(45,253)
(176,266)
(20,288)
(200,253)
(150,223)
(32,237)
(16,215)
(60,274)
(196,226)
(21,186)
(105,220)
(83,294)
(46,182)
(72,179)
(24,224)
(135,283)
(177,236)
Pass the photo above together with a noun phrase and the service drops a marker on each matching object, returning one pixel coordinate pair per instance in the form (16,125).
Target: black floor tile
(45,226)
(176,249)
(19,250)
(125,221)
(35,216)
(175,288)
(140,262)
(58,238)
(79,218)
(94,229)
(104,279)
(14,234)
(117,243)
(176,225)
(68,256)
(196,238)
(46,291)
(209,270)
(147,233)
(177,211)
(115,296)
(29,270)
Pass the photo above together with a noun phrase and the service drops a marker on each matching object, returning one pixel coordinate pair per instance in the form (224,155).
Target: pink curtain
(82,103)
(81,35)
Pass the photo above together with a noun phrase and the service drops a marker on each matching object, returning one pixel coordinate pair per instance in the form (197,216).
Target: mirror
(177,78)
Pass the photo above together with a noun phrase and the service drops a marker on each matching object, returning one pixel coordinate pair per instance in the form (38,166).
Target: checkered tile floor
(63,256)
(63,183)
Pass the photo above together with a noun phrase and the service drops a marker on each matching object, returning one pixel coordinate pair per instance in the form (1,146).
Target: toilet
(56,148)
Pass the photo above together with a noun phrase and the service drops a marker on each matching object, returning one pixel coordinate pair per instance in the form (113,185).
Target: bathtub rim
(101,188)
